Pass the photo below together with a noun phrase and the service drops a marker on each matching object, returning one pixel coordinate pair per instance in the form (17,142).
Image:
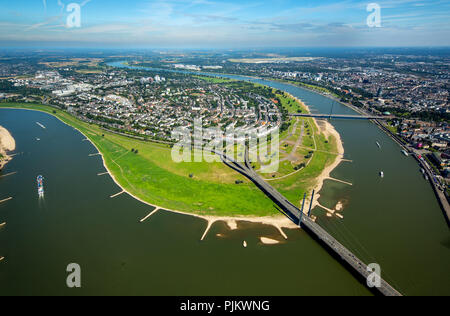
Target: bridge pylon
(301,212)
(310,205)
(332,107)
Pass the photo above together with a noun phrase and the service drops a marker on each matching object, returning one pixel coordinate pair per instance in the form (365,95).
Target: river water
(395,222)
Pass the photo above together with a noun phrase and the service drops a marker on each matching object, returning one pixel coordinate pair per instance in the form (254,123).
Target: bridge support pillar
(310,205)
(301,211)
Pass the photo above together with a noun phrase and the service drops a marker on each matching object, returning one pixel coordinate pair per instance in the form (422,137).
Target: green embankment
(308,86)
(200,188)
(324,154)
(153,181)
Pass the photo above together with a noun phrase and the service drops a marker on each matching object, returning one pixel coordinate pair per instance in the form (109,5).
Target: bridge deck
(293,213)
(343,116)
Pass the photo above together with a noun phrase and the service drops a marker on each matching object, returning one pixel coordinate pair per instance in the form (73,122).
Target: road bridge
(297,216)
(343,116)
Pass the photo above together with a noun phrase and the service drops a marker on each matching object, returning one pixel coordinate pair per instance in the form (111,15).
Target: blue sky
(225,23)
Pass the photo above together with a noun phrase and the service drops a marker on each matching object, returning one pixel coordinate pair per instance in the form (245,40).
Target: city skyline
(224,24)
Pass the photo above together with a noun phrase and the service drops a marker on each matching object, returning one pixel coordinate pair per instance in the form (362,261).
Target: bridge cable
(368,254)
(341,236)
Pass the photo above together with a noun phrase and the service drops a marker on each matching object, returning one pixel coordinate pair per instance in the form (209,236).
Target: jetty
(5,200)
(149,215)
(210,223)
(8,174)
(115,195)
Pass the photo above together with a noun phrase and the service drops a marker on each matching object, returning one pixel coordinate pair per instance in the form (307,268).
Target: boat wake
(41,125)
(40,184)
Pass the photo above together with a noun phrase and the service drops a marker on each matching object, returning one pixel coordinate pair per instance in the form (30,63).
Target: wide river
(395,222)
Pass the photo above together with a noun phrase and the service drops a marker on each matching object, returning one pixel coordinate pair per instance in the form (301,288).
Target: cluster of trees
(104,119)
(309,155)
(362,92)
(8,87)
(300,166)
(421,115)
(285,126)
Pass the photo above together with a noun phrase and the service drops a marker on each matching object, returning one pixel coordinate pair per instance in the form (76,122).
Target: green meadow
(199,187)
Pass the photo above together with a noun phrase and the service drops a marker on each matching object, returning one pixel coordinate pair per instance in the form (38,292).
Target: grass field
(294,184)
(200,188)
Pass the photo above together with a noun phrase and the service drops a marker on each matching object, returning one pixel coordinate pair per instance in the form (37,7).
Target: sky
(223,23)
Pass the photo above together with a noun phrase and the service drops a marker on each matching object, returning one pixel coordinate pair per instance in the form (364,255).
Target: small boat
(422,170)
(382,174)
(38,139)
(378,144)
(40,183)
(245,244)
(405,153)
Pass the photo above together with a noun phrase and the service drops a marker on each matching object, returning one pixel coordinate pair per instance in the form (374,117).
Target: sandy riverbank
(7,144)
(299,101)
(268,241)
(324,94)
(278,221)
(303,104)
(328,130)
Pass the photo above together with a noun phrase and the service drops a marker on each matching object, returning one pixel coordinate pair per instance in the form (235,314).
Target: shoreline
(328,130)
(7,144)
(324,94)
(278,221)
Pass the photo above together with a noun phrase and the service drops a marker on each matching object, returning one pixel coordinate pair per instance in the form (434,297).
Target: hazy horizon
(230,24)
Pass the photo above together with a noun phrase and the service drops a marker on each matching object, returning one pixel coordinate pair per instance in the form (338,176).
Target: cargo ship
(40,183)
